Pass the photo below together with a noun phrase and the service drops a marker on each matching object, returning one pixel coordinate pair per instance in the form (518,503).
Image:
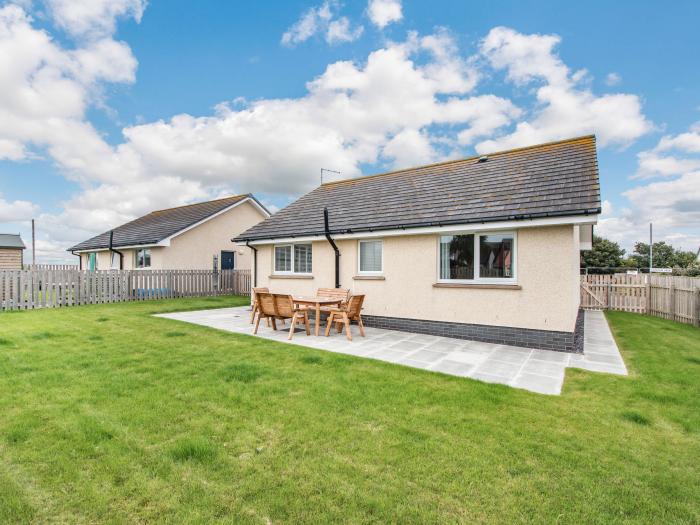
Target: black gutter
(255,263)
(112,250)
(529,216)
(335,248)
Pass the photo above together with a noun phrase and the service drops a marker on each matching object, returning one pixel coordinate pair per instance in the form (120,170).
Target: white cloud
(340,31)
(16,211)
(384,12)
(612,79)
(93,18)
(322,20)
(564,107)
(672,204)
(407,103)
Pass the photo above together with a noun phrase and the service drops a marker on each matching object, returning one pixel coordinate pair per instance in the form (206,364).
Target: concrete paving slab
(540,371)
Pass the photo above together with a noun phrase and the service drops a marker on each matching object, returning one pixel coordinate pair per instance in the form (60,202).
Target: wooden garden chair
(279,307)
(335,293)
(256,305)
(343,316)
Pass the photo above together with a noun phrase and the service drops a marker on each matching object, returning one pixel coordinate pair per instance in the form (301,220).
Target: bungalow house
(182,238)
(11,251)
(485,248)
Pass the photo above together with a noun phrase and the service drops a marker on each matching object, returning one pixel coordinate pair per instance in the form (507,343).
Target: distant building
(11,251)
(182,238)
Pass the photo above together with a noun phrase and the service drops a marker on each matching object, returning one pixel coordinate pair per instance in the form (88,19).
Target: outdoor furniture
(279,307)
(256,304)
(315,303)
(336,293)
(343,316)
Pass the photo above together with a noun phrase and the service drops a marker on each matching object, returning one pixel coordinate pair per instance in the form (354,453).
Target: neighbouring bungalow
(11,251)
(485,248)
(183,238)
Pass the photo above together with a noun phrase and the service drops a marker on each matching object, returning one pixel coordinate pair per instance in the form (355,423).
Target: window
(496,256)
(293,258)
(371,257)
(477,257)
(143,258)
(302,258)
(92,261)
(115,261)
(457,257)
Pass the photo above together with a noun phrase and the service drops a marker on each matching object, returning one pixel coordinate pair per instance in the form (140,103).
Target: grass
(109,415)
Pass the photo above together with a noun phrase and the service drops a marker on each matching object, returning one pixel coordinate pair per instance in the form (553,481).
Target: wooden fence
(25,289)
(50,267)
(667,296)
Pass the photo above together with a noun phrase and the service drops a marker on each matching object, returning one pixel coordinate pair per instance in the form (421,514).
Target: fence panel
(666,296)
(48,287)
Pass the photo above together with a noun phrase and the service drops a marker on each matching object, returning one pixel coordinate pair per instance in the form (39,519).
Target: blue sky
(144,106)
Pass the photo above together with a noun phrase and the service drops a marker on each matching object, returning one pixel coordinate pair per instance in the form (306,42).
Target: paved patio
(539,371)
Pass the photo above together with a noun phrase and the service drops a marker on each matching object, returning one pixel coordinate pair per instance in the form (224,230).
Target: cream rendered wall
(194,249)
(547,272)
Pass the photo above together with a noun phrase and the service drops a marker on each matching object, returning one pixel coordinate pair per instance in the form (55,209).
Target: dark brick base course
(541,339)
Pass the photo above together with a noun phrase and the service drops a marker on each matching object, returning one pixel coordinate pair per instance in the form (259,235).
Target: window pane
(457,257)
(371,256)
(147,258)
(139,258)
(283,258)
(302,258)
(496,256)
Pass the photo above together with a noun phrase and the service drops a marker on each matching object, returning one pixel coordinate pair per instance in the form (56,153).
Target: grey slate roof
(547,180)
(11,240)
(159,225)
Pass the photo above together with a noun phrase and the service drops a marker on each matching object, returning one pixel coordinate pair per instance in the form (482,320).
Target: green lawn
(110,415)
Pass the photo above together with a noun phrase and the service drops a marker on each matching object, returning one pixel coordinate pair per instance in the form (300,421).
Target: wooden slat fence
(42,288)
(50,267)
(667,296)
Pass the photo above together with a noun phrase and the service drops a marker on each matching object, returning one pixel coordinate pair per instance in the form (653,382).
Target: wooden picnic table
(316,302)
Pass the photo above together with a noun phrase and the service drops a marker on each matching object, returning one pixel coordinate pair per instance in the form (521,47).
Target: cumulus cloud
(384,12)
(16,211)
(93,18)
(672,204)
(323,20)
(406,103)
(565,106)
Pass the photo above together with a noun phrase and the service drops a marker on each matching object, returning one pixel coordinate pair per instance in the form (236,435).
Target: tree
(605,253)
(664,256)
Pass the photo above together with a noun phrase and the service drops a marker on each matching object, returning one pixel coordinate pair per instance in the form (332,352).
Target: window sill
(369,278)
(494,286)
(291,276)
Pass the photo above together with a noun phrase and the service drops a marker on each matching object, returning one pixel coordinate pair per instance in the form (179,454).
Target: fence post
(672,301)
(696,310)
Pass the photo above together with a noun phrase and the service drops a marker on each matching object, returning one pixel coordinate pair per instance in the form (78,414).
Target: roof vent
(483,158)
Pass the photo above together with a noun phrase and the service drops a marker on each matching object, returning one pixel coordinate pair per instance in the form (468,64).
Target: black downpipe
(255,262)
(112,250)
(335,248)
(80,260)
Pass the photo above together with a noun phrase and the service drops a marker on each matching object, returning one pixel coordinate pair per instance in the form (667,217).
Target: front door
(227,261)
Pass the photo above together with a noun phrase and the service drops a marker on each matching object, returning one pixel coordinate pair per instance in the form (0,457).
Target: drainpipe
(335,248)
(112,250)
(80,260)
(255,262)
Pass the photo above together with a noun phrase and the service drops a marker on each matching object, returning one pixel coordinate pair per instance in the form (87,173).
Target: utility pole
(33,245)
(651,244)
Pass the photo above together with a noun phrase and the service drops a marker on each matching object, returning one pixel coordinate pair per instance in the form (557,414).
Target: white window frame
(477,259)
(293,271)
(359,257)
(136,259)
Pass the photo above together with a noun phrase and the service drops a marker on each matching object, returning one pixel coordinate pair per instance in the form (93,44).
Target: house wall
(547,272)
(10,259)
(194,249)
